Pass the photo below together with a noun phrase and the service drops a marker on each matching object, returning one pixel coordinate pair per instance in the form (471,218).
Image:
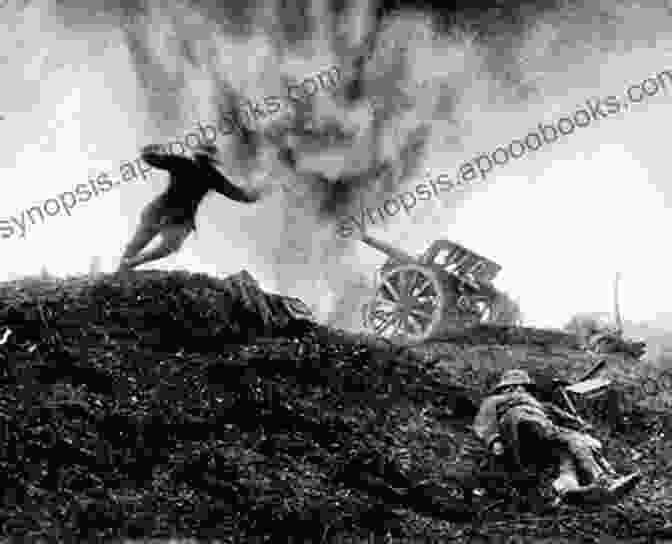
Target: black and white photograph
(335,271)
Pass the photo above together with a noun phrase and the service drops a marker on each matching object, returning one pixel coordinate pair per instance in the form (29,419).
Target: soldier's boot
(605,490)
(607,486)
(568,489)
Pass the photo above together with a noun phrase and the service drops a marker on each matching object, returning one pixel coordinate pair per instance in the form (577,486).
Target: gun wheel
(408,305)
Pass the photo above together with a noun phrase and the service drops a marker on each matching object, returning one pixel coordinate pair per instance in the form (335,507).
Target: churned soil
(181,406)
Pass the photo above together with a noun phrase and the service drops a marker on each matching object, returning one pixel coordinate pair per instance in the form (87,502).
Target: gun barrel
(384,247)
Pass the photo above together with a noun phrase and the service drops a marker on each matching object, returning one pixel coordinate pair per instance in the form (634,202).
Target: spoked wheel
(408,305)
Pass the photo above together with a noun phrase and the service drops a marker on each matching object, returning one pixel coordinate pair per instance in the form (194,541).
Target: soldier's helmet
(514,377)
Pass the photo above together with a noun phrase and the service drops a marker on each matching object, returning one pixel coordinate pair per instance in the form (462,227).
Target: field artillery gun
(446,290)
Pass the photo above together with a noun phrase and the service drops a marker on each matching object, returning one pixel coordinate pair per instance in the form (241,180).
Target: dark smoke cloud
(192,63)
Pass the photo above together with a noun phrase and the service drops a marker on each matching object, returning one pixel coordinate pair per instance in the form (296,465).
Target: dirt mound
(177,405)
(156,309)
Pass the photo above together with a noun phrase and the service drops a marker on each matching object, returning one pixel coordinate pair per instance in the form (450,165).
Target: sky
(560,221)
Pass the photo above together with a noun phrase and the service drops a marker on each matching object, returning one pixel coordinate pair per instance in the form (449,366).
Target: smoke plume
(418,94)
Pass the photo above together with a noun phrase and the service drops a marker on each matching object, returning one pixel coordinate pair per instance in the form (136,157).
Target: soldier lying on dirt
(511,417)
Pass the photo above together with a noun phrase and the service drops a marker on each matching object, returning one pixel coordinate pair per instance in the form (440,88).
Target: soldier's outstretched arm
(224,186)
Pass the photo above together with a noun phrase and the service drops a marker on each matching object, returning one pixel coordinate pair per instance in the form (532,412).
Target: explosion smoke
(464,87)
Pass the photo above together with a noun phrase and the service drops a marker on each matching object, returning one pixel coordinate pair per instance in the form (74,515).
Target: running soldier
(172,214)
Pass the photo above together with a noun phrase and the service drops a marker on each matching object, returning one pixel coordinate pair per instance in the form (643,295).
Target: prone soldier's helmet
(514,377)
